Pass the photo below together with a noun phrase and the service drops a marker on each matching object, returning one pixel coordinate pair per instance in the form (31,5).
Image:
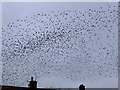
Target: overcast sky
(84,53)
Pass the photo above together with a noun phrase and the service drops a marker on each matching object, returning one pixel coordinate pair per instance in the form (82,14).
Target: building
(33,86)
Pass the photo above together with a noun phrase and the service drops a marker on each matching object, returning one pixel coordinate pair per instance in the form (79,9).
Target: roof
(22,88)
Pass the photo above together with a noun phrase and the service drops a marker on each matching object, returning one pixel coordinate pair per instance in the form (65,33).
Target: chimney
(81,87)
(32,84)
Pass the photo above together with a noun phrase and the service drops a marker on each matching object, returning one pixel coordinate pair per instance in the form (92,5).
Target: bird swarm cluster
(74,44)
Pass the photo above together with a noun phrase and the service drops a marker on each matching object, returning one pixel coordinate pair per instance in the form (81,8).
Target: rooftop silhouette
(33,86)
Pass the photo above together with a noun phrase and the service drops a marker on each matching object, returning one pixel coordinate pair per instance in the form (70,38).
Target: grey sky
(65,65)
(20,10)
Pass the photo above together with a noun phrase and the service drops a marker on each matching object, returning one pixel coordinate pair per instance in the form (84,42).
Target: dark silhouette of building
(3,87)
(32,84)
(81,87)
(22,88)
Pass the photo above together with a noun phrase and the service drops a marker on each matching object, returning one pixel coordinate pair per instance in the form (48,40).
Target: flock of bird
(72,44)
